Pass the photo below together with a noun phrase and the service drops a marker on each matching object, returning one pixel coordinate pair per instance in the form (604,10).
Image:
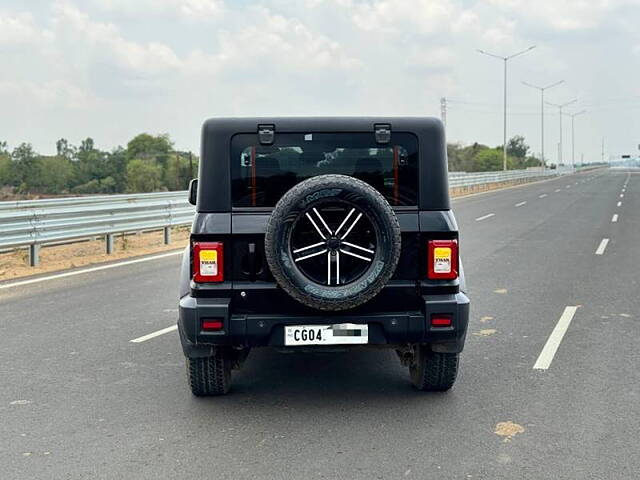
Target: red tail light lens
(442,261)
(208,262)
(212,324)
(441,320)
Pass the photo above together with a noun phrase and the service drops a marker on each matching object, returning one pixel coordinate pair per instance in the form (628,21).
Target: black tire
(321,191)
(433,371)
(210,375)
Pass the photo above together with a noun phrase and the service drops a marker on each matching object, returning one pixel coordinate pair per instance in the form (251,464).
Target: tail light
(441,320)
(208,262)
(442,262)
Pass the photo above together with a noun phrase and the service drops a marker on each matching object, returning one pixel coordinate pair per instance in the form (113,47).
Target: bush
(143,176)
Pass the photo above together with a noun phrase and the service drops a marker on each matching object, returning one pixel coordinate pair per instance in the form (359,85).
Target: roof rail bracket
(266,134)
(383,132)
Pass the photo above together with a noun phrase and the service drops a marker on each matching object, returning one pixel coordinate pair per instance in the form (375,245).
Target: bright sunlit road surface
(93,377)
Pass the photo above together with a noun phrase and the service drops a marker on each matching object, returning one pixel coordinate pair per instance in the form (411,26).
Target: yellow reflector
(442,260)
(208,262)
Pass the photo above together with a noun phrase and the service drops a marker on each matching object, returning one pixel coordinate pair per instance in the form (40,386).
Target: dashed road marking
(622,195)
(149,336)
(520,204)
(614,218)
(557,190)
(568,186)
(542,196)
(602,246)
(484,217)
(553,342)
(619,204)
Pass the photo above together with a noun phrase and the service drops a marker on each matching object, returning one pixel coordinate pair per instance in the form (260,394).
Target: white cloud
(199,10)
(111,68)
(283,42)
(563,15)
(105,40)
(20,29)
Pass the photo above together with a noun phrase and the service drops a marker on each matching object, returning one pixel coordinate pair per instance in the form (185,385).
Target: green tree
(25,160)
(7,174)
(65,149)
(143,176)
(54,175)
(150,147)
(516,147)
(488,160)
(4,148)
(177,172)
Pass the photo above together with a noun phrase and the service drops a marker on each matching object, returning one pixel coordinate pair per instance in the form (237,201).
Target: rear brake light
(211,324)
(440,320)
(208,262)
(442,262)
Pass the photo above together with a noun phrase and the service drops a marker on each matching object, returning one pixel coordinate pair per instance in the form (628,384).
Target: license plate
(340,334)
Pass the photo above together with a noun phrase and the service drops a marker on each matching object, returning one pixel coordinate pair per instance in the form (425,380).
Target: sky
(111,69)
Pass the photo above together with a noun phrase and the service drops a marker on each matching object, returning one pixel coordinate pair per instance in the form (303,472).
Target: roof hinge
(266,134)
(383,132)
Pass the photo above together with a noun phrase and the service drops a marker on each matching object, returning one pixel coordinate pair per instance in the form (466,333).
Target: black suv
(317,234)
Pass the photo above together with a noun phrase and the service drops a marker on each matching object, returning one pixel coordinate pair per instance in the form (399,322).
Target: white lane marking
(622,195)
(542,196)
(568,186)
(553,342)
(484,217)
(149,336)
(619,204)
(89,270)
(614,218)
(520,204)
(557,190)
(602,246)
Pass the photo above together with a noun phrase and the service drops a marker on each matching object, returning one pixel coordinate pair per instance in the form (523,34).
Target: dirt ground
(52,258)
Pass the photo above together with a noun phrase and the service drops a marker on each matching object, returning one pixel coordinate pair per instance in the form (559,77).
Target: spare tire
(332,242)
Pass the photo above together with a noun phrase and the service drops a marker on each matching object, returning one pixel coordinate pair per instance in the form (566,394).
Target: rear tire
(433,371)
(209,376)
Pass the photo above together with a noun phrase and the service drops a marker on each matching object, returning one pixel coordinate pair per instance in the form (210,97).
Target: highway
(552,271)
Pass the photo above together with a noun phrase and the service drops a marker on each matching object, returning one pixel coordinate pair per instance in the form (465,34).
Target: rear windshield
(262,174)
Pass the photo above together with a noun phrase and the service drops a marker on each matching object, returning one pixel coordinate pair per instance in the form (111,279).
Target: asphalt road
(79,400)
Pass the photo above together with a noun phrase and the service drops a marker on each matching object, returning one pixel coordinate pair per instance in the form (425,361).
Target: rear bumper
(396,328)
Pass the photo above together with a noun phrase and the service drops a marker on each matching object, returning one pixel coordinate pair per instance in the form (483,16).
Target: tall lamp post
(573,135)
(560,107)
(542,89)
(504,121)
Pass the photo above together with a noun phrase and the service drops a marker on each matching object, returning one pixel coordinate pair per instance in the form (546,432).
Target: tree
(4,148)
(54,175)
(176,174)
(143,176)
(488,160)
(64,149)
(149,147)
(24,159)
(7,174)
(517,148)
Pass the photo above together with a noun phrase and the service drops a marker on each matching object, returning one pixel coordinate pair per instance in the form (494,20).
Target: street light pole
(504,120)
(542,89)
(573,135)
(560,107)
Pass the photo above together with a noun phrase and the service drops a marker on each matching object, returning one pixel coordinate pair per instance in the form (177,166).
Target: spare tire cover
(332,242)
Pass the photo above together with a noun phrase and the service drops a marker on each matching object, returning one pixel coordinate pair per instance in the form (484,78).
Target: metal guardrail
(33,223)
(36,222)
(464,179)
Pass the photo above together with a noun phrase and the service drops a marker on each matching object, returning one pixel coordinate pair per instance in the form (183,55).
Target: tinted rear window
(262,174)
